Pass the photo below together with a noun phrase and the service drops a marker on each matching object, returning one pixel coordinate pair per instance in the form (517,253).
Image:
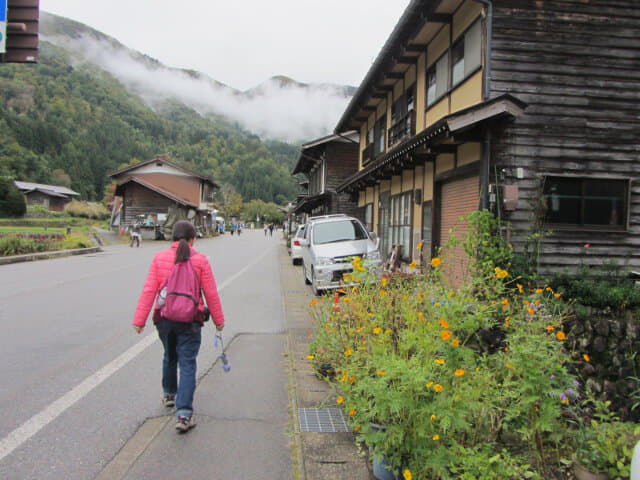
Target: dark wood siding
(577,65)
(139,200)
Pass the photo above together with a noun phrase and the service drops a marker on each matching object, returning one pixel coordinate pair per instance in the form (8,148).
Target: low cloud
(285,111)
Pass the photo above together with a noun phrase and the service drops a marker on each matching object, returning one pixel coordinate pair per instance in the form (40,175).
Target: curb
(30,257)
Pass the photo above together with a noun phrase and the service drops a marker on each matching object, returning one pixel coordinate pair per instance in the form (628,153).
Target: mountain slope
(71,115)
(279,108)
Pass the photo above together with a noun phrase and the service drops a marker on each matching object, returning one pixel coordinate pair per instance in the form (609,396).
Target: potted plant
(605,446)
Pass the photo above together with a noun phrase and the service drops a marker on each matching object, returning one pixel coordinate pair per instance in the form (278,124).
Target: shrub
(38,211)
(12,203)
(20,244)
(91,210)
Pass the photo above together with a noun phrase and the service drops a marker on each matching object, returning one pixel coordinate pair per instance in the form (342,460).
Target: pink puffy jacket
(159,271)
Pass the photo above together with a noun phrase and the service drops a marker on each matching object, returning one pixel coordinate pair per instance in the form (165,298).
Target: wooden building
(528,108)
(159,188)
(326,162)
(52,197)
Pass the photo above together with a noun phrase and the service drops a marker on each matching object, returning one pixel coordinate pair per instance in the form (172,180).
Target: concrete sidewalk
(248,426)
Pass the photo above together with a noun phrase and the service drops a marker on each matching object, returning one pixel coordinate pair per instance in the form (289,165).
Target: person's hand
(220,327)
(138,328)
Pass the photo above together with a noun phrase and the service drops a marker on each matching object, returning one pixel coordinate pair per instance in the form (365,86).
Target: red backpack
(180,293)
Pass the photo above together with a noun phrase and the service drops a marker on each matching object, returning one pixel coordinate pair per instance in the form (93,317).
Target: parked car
(296,249)
(329,244)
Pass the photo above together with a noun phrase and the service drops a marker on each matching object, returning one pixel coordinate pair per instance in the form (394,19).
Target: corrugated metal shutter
(458,199)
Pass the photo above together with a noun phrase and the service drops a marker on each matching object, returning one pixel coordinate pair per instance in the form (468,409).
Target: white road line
(40,420)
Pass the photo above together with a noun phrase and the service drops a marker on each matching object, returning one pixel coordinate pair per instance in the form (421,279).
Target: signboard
(3,26)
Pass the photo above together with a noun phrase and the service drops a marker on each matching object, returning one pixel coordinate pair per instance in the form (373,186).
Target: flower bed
(471,382)
(20,244)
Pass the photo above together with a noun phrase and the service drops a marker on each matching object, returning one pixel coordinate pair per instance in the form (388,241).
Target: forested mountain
(81,120)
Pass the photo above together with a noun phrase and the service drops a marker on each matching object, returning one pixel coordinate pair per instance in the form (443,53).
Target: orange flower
(433,417)
(531,311)
(380,372)
(551,328)
(443,323)
(561,335)
(435,262)
(313,302)
(459,372)
(520,289)
(506,321)
(346,300)
(586,358)
(445,334)
(352,412)
(436,438)
(505,301)
(419,246)
(437,387)
(339,400)
(455,342)
(348,352)
(557,295)
(413,264)
(383,292)
(538,290)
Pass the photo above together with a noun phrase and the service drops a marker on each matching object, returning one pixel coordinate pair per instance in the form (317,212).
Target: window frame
(400,222)
(584,197)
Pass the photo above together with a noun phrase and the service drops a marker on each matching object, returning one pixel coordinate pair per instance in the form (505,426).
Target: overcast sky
(244,42)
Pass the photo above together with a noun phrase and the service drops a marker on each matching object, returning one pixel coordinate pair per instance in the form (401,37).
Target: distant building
(162,190)
(52,197)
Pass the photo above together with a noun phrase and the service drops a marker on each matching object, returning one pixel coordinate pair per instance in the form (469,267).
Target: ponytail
(183,231)
(184,251)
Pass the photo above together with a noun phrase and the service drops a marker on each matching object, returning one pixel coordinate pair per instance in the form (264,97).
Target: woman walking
(180,339)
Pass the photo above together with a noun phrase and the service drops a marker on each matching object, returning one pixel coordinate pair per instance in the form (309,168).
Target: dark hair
(183,231)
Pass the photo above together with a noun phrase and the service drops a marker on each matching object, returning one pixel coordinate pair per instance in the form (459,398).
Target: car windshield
(330,232)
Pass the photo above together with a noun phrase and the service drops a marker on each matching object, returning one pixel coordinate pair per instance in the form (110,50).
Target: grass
(33,229)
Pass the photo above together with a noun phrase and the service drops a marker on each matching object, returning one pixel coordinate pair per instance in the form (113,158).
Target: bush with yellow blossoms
(461,380)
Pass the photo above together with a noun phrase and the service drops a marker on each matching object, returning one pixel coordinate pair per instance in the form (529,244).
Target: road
(75,380)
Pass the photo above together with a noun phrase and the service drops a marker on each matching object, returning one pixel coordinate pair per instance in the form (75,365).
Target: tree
(60,178)
(12,202)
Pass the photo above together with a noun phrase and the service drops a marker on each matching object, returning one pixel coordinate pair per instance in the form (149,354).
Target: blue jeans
(181,343)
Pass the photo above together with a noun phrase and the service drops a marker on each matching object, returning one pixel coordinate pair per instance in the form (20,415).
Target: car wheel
(314,283)
(304,275)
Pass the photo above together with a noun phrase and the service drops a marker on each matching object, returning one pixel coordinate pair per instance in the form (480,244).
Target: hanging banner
(3,26)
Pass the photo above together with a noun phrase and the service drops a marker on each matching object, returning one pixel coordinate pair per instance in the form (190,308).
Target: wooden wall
(577,64)
(139,200)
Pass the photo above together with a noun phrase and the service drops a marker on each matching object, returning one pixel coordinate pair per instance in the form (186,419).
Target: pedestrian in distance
(180,334)
(135,235)
(271,229)
(266,227)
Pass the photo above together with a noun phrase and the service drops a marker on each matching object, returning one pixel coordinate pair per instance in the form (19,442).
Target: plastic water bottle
(226,365)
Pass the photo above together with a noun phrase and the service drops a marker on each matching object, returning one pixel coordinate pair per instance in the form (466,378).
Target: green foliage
(59,120)
(268,212)
(486,247)
(16,244)
(38,211)
(91,210)
(12,202)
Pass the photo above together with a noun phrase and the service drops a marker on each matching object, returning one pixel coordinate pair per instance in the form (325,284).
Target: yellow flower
(357,428)
(586,358)
(346,300)
(509,365)
(429,384)
(433,417)
(435,262)
(383,292)
(443,323)
(339,400)
(549,289)
(550,328)
(437,387)
(348,352)
(455,342)
(436,438)
(440,361)
(377,331)
(505,301)
(561,335)
(537,302)
(419,246)
(538,290)
(450,294)
(407,474)
(530,310)
(459,372)
(413,264)
(384,281)
(311,357)
(380,372)
(445,334)
(344,377)
(341,290)
(420,316)
(352,412)
(520,289)
(436,304)
(387,331)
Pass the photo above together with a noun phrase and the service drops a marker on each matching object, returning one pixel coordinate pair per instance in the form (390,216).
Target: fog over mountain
(279,108)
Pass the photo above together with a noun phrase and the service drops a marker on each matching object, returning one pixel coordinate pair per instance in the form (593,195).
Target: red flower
(587,245)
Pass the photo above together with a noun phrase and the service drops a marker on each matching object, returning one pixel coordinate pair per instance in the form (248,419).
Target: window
(368,216)
(380,136)
(400,222)
(586,202)
(384,205)
(426,230)
(466,54)
(331,232)
(438,79)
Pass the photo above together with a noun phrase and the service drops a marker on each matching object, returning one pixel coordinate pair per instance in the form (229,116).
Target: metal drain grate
(322,420)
